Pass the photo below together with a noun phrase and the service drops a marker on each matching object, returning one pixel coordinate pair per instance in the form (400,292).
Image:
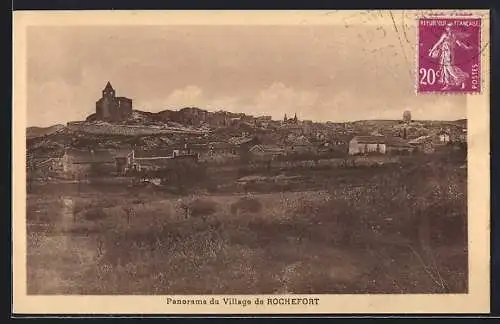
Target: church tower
(106,106)
(108,91)
(112,108)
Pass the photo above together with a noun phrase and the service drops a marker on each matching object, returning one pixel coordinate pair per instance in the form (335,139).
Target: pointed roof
(108,86)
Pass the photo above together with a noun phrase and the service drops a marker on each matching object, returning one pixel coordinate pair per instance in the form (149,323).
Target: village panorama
(192,201)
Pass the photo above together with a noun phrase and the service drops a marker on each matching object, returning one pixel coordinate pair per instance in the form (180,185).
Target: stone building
(407,116)
(367,144)
(293,120)
(113,108)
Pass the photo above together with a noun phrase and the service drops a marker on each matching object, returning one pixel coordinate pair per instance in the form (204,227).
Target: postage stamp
(449,55)
(229,162)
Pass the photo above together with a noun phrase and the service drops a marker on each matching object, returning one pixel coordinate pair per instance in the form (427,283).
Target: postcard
(246,162)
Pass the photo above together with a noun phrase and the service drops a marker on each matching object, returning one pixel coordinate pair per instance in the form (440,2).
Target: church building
(293,120)
(112,108)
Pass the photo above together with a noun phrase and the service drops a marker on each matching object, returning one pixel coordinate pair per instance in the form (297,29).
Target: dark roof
(221,145)
(100,156)
(124,98)
(370,139)
(198,147)
(153,153)
(240,140)
(331,143)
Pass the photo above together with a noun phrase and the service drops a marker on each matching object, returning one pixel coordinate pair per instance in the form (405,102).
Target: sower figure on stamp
(450,74)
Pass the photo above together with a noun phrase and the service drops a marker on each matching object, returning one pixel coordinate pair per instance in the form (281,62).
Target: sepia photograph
(280,159)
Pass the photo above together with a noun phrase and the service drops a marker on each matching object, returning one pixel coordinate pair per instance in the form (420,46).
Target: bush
(95,214)
(423,203)
(245,204)
(201,207)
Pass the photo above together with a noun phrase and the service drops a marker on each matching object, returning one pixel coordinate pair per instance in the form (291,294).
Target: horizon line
(313,121)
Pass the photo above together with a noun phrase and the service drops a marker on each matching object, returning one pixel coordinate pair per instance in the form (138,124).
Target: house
(367,145)
(80,163)
(221,148)
(243,142)
(124,161)
(423,144)
(267,151)
(159,158)
(152,159)
(443,136)
(340,140)
(298,144)
(337,144)
(47,164)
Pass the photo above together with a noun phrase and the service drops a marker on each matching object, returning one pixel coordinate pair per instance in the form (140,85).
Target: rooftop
(370,139)
(240,140)
(420,139)
(155,153)
(267,148)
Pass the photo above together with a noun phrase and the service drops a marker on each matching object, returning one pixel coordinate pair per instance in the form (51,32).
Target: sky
(321,72)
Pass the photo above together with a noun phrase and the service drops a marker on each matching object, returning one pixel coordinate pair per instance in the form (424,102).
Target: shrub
(201,207)
(424,202)
(246,204)
(138,201)
(95,214)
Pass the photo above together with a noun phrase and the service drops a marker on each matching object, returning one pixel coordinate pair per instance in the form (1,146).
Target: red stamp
(449,55)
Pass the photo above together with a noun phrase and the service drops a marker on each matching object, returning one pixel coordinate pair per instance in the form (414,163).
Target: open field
(393,229)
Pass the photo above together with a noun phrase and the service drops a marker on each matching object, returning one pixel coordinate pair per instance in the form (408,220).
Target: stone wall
(126,130)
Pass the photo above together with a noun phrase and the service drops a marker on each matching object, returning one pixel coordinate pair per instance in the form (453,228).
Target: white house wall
(353,147)
(358,148)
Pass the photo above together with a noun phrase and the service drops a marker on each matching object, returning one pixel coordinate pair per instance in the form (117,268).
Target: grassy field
(401,229)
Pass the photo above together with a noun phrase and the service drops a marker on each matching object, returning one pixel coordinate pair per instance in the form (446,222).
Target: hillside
(187,116)
(32,132)
(148,129)
(389,122)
